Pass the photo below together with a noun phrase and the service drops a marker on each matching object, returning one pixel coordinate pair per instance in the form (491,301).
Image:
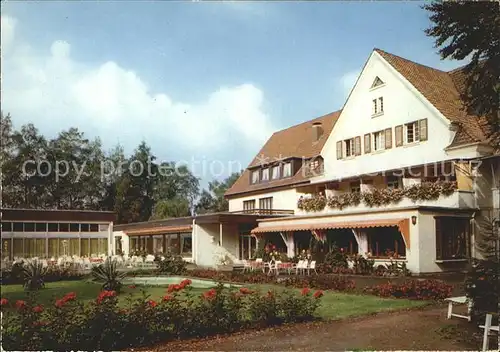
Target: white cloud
(348,80)
(55,91)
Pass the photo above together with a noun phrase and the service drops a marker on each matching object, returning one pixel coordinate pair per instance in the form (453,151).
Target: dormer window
(255,176)
(377,83)
(378,106)
(276,172)
(287,170)
(265,174)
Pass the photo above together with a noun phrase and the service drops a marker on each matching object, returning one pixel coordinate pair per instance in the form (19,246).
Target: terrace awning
(403,226)
(159,230)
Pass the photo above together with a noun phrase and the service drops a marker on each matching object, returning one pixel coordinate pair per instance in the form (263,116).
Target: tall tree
(213,200)
(471,29)
(171,208)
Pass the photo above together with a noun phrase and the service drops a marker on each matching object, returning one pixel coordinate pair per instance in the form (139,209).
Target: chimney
(317,131)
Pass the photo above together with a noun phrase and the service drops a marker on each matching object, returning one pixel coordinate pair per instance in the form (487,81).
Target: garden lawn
(334,305)
(338,305)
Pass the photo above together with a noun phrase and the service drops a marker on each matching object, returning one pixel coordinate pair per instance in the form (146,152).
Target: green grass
(334,305)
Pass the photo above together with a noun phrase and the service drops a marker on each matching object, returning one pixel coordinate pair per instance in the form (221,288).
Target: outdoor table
(286,266)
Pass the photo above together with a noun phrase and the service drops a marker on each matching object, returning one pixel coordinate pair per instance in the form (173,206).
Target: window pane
(74,246)
(63,227)
(94,228)
(7,226)
(265,175)
(53,247)
(255,176)
(276,172)
(40,247)
(29,227)
(18,227)
(287,170)
(18,247)
(186,243)
(6,247)
(41,227)
(74,227)
(53,227)
(103,227)
(94,246)
(85,251)
(84,227)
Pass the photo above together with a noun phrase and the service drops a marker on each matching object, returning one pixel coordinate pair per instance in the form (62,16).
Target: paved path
(403,330)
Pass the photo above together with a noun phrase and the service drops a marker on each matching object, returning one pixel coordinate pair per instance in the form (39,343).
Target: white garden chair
(261,263)
(246,266)
(487,329)
(311,266)
(459,300)
(301,266)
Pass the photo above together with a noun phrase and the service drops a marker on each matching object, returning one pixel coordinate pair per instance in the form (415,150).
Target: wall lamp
(414,220)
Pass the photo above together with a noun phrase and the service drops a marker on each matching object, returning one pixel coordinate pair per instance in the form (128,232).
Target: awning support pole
(290,244)
(220,234)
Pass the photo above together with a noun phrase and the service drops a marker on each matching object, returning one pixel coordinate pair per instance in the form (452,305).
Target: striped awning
(159,230)
(403,226)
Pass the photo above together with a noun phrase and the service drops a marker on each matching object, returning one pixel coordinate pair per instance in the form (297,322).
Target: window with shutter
(339,150)
(357,145)
(422,125)
(388,138)
(367,143)
(399,135)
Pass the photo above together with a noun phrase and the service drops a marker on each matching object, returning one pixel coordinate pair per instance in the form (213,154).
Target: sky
(203,82)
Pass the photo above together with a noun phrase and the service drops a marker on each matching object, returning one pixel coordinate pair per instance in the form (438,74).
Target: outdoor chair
(260,264)
(459,300)
(301,266)
(487,329)
(311,266)
(246,266)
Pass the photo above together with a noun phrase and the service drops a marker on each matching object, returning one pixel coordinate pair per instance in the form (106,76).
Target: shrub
(108,274)
(362,265)
(15,276)
(482,287)
(322,282)
(413,289)
(171,265)
(104,325)
(33,275)
(336,258)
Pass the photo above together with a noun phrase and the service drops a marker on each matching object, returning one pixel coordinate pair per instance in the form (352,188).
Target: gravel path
(425,329)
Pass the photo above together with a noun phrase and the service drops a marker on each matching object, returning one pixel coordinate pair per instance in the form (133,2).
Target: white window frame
(349,144)
(255,176)
(275,174)
(287,170)
(378,138)
(265,174)
(415,135)
(381,105)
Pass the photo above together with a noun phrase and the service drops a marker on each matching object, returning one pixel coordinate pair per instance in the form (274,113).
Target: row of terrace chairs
(302,267)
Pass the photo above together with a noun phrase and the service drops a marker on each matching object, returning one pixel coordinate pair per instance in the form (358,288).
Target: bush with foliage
(482,286)
(108,274)
(336,258)
(362,265)
(322,282)
(102,324)
(413,289)
(171,265)
(33,275)
(15,276)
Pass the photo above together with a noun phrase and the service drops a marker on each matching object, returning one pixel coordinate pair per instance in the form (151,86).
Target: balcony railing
(264,212)
(443,194)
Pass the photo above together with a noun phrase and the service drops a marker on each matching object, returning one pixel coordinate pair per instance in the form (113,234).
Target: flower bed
(68,324)
(413,289)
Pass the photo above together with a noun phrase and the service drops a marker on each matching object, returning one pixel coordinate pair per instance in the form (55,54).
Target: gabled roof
(442,89)
(295,141)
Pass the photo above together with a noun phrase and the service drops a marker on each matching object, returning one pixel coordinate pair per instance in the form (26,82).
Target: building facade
(402,172)
(28,233)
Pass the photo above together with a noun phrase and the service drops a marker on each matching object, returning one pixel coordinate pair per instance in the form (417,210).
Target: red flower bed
(413,289)
(103,325)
